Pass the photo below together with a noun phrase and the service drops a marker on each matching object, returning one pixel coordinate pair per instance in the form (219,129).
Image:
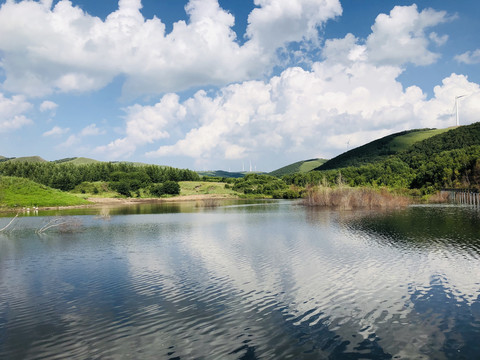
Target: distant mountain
(27,159)
(76,161)
(221,173)
(299,166)
(380,149)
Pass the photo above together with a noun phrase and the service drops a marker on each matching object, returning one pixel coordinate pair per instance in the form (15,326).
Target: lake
(243,280)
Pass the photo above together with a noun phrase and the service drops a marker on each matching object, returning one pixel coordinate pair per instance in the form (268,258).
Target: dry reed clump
(209,203)
(439,197)
(347,198)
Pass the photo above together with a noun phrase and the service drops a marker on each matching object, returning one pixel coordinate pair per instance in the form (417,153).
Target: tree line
(125,176)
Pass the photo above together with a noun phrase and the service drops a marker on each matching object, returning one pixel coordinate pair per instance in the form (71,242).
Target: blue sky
(220,84)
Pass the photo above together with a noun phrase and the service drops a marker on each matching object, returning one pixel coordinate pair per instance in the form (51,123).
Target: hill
(457,138)
(221,174)
(299,166)
(449,159)
(19,192)
(76,161)
(381,149)
(34,159)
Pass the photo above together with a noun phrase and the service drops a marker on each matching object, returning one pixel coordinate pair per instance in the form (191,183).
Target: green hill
(380,149)
(222,174)
(76,161)
(34,159)
(448,159)
(457,138)
(298,167)
(15,192)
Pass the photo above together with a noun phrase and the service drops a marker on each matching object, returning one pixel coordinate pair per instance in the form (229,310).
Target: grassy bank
(202,188)
(20,192)
(348,198)
(101,189)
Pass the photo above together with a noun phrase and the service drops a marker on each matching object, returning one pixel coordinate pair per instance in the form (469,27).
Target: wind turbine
(456,107)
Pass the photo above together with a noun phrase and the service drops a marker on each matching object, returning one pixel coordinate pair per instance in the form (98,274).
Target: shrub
(156,190)
(122,187)
(167,188)
(171,187)
(291,194)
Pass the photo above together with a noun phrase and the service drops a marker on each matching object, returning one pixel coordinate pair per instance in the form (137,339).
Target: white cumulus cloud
(56,131)
(91,130)
(401,36)
(351,97)
(469,57)
(64,49)
(277,22)
(298,112)
(48,105)
(12,112)
(146,124)
(301,112)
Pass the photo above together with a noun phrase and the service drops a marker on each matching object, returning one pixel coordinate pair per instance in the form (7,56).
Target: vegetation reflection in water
(273,280)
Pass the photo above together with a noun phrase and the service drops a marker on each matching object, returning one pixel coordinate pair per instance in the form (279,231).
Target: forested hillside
(121,176)
(380,149)
(448,160)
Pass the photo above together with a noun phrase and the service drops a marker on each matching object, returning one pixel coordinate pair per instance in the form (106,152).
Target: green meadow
(20,192)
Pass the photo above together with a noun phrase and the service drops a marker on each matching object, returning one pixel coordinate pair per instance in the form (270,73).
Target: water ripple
(273,282)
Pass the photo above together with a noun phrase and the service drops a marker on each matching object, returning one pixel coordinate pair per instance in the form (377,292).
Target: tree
(171,187)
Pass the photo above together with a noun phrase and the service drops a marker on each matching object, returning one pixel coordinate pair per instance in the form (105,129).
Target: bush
(167,188)
(291,194)
(171,187)
(122,187)
(156,190)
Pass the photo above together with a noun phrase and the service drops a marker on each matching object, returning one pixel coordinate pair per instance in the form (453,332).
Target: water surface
(273,280)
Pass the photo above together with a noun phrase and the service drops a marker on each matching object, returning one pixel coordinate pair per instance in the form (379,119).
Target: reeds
(348,198)
(439,197)
(208,203)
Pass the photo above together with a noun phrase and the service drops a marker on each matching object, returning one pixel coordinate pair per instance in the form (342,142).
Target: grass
(300,166)
(309,165)
(347,198)
(82,161)
(19,192)
(202,188)
(405,141)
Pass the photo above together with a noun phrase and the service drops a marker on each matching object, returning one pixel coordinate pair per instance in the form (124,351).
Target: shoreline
(97,202)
